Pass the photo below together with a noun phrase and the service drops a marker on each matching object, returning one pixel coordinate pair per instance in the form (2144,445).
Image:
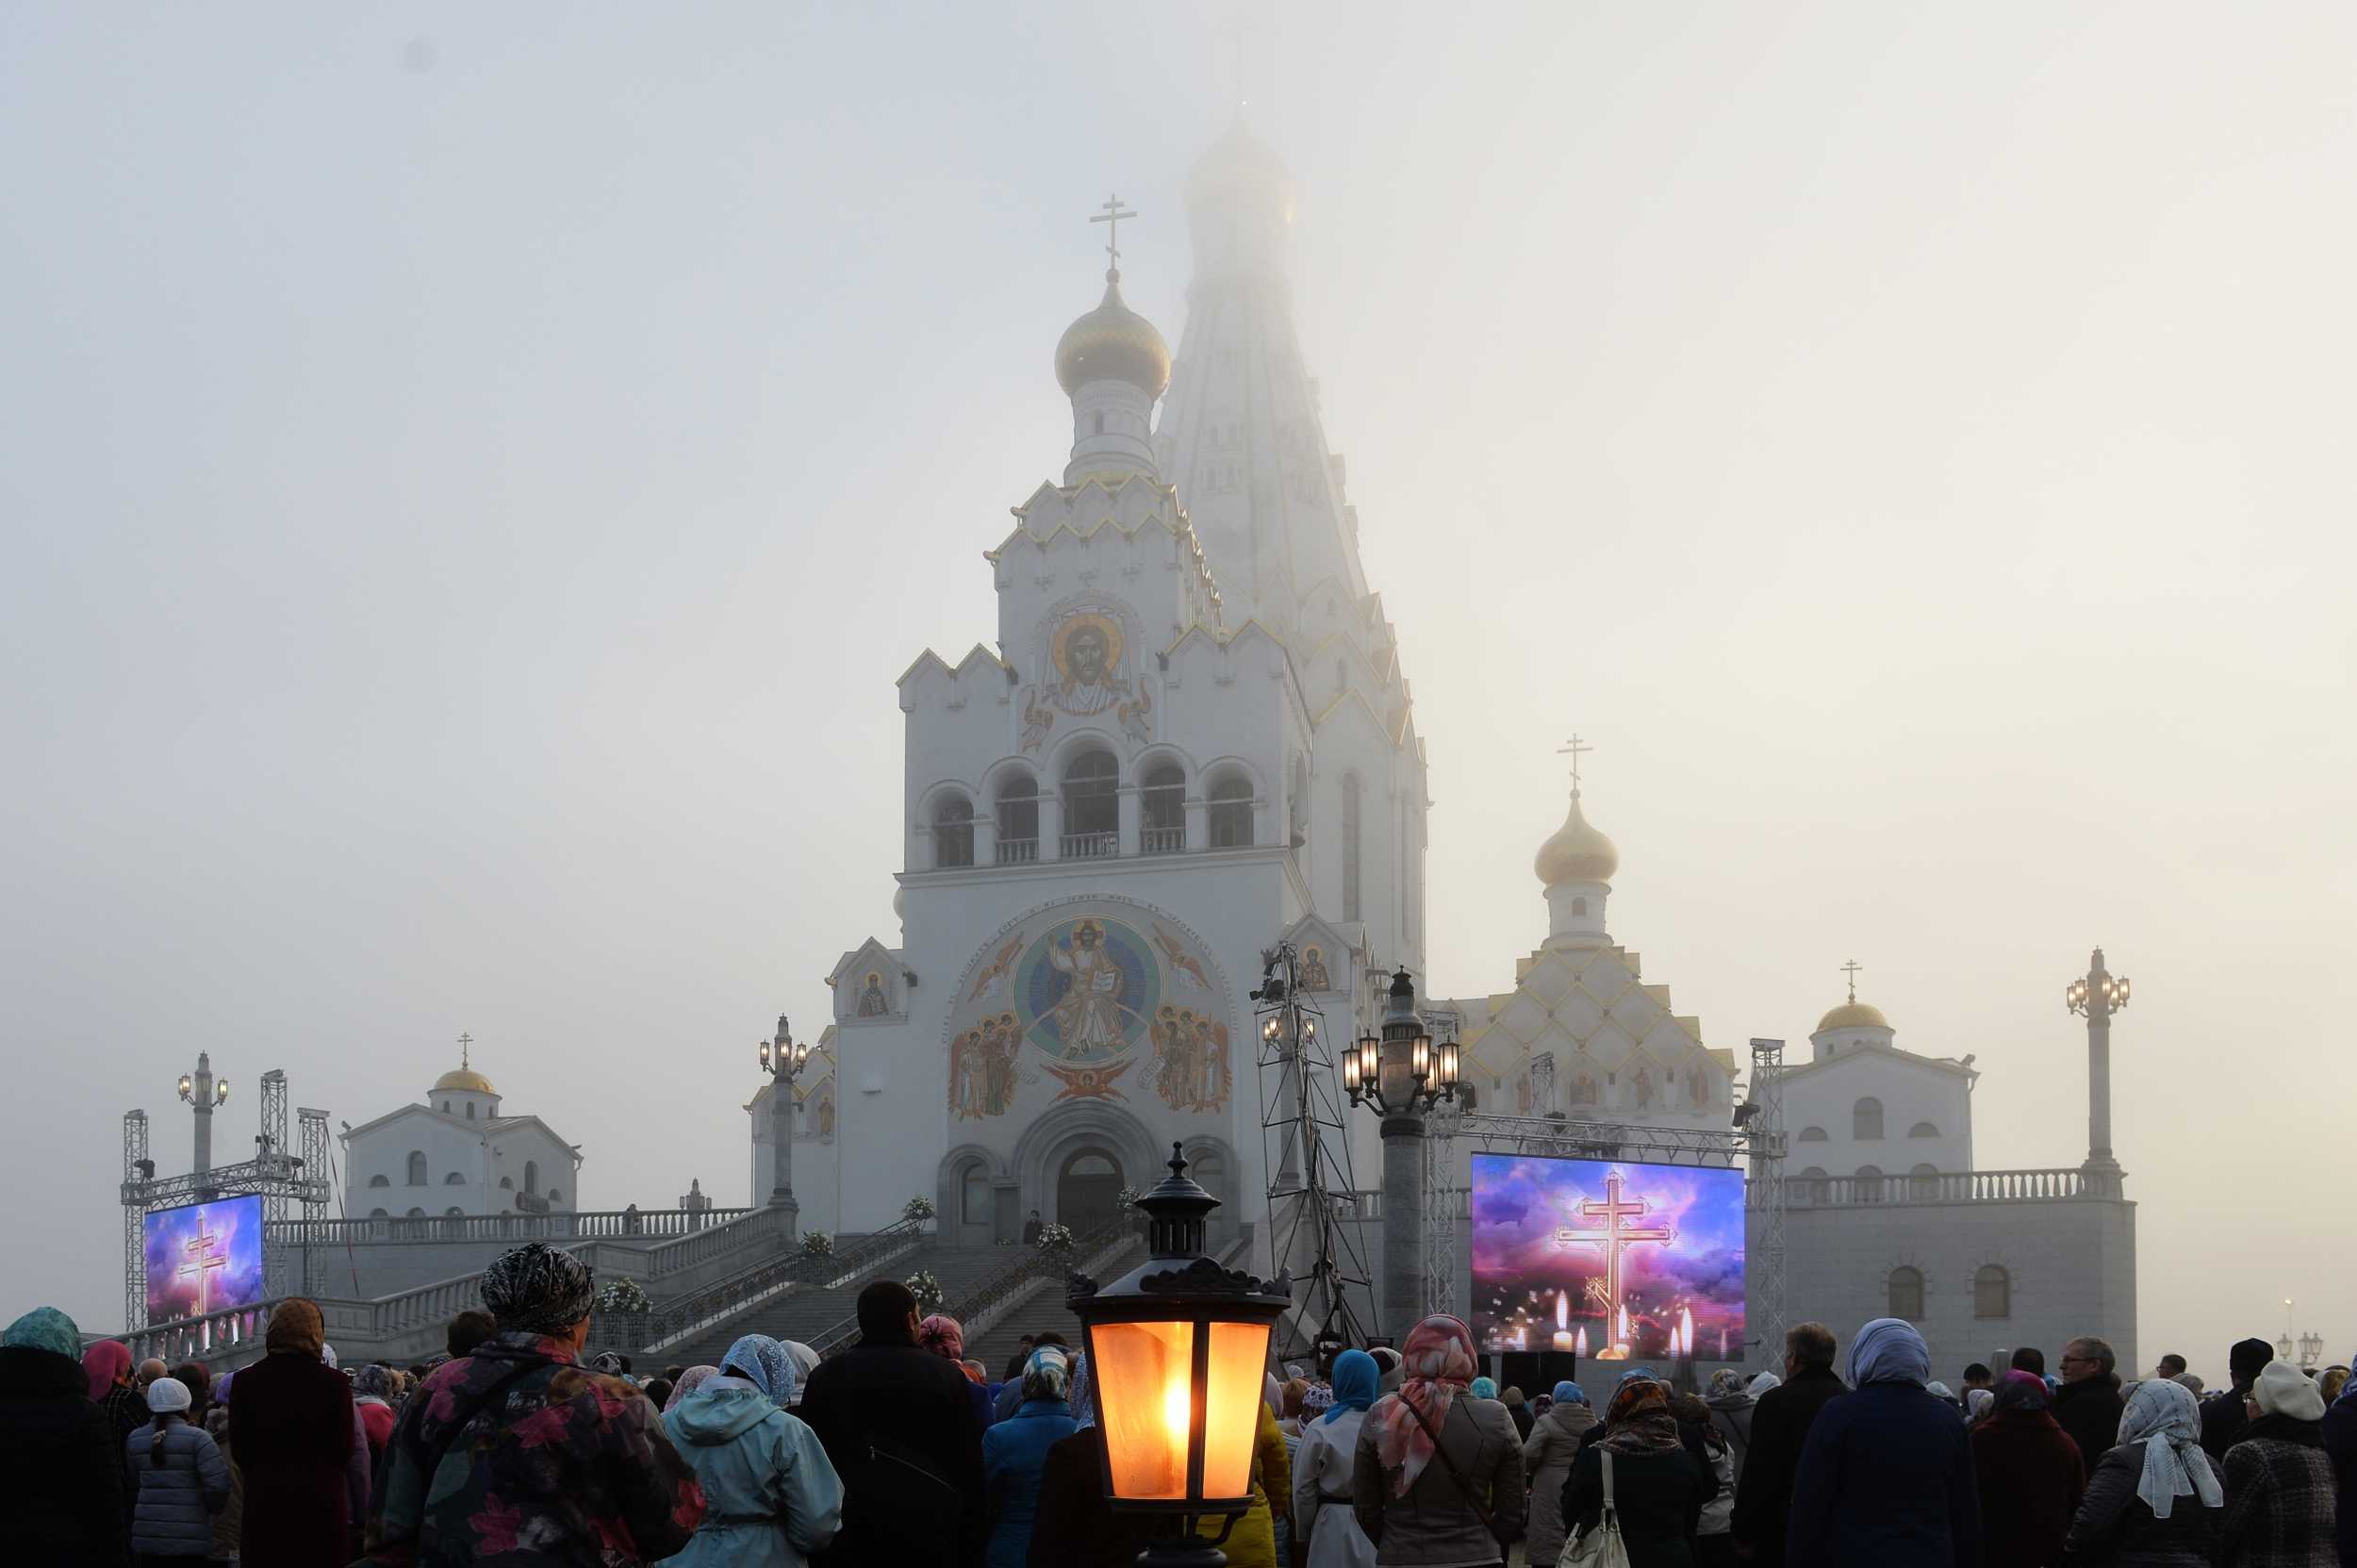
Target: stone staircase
(812,1315)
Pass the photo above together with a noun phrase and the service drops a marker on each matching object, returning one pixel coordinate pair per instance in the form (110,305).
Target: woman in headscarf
(1656,1487)
(114,1388)
(2154,1499)
(694,1377)
(183,1480)
(1731,1405)
(2280,1506)
(1322,1469)
(2030,1474)
(1015,1455)
(941,1335)
(1391,1370)
(1885,1476)
(1518,1410)
(62,1458)
(1484,1388)
(1547,1455)
(1979,1405)
(300,1447)
(771,1496)
(1437,1476)
(372,1397)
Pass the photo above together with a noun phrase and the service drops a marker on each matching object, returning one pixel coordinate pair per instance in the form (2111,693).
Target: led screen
(1612,1260)
(203,1258)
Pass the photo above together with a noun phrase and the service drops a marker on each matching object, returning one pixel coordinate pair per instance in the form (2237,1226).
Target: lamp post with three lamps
(201,1091)
(2099,994)
(1402,1074)
(782,1058)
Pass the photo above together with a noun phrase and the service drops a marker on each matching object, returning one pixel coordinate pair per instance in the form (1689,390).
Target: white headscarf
(1763,1384)
(1977,1402)
(2162,1415)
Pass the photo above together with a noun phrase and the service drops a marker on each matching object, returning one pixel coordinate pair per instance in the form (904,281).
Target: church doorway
(1088,1191)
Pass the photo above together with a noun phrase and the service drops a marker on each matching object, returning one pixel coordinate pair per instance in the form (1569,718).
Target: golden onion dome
(1113,342)
(1853,1013)
(1577,852)
(466,1080)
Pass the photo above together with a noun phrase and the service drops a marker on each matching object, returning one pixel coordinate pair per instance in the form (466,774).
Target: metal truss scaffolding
(1766,1126)
(1306,1141)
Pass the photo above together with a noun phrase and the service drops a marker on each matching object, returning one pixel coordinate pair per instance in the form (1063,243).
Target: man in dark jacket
(1780,1424)
(2278,1483)
(58,1451)
(2224,1414)
(2087,1404)
(900,1428)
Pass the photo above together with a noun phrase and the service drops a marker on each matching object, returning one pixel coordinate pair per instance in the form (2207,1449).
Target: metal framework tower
(315,1159)
(1306,1140)
(136,1168)
(1766,1126)
(1444,1194)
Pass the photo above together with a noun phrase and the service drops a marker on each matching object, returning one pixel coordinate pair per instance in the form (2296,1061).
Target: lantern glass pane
(1143,1372)
(1231,1423)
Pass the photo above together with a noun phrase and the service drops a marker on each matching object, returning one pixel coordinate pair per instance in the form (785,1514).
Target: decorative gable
(870,986)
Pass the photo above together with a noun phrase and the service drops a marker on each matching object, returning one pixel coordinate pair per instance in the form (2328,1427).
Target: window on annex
(417,1168)
(953,832)
(1923,1129)
(1232,814)
(1018,818)
(1092,809)
(1906,1293)
(1992,1291)
(1866,1119)
(1163,811)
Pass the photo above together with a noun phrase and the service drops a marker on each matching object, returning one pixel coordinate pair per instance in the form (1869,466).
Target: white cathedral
(1191,737)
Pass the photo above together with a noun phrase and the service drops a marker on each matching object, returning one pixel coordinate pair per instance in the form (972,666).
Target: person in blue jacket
(183,1480)
(771,1495)
(1885,1480)
(1014,1454)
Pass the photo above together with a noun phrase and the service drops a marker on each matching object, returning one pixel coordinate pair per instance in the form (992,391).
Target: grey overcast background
(470,476)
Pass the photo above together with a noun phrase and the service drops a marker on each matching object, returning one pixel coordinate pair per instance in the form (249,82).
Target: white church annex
(1189,737)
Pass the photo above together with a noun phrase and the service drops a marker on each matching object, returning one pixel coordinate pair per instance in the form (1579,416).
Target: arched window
(1906,1293)
(1866,1119)
(414,1213)
(453,1214)
(379,1179)
(507,1183)
(532,1176)
(1350,845)
(379,1214)
(1092,811)
(1232,814)
(1923,1129)
(1579,909)
(556,1194)
(1099,429)
(974,1195)
(417,1168)
(1992,1291)
(953,832)
(1923,1182)
(1163,811)
(445,1108)
(1811,1135)
(1018,818)
(1809,1186)
(1868,1184)
(470,1109)
(455,1179)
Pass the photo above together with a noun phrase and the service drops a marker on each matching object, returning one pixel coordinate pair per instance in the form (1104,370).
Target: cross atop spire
(1575,750)
(466,1047)
(1111,217)
(1852,969)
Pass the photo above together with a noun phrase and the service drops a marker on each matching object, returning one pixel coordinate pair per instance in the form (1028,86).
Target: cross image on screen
(1614,1261)
(206,1258)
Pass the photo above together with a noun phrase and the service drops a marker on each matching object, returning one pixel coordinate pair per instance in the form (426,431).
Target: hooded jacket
(63,1461)
(177,1499)
(771,1496)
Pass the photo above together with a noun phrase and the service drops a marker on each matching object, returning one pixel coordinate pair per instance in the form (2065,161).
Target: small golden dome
(467,1080)
(1113,342)
(1577,852)
(1853,1015)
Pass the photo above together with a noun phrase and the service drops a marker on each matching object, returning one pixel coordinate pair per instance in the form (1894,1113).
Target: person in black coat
(2225,1415)
(1780,1428)
(2087,1404)
(62,1463)
(1885,1480)
(900,1428)
(1657,1489)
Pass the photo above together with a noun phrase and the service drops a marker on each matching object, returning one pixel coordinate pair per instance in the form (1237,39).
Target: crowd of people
(518,1446)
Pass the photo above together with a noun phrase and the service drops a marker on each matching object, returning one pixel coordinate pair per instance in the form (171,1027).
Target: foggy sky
(471,476)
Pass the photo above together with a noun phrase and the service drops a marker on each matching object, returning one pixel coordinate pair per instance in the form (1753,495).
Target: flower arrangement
(817,1244)
(1128,1196)
(623,1296)
(926,1289)
(1054,1238)
(919,1207)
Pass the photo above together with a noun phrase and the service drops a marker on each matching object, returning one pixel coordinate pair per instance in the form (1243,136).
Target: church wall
(1910,1093)
(452,1148)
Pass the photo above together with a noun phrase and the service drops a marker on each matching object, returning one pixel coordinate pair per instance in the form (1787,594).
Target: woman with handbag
(1634,1496)
(1437,1476)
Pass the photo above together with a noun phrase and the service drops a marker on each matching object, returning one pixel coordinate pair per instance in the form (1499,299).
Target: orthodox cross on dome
(202,1266)
(466,1048)
(1613,1236)
(1112,218)
(1852,968)
(1577,749)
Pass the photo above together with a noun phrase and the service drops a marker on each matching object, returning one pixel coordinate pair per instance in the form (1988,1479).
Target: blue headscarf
(763,1362)
(45,1329)
(1484,1389)
(1888,1351)
(1569,1394)
(1047,1374)
(1635,1372)
(1355,1378)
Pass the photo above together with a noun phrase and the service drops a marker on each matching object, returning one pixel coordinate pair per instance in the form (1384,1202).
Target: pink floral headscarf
(1439,1364)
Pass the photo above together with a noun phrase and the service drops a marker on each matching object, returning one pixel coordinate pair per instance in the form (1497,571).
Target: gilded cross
(1112,218)
(466,1045)
(1577,749)
(1852,968)
(202,1265)
(1613,1236)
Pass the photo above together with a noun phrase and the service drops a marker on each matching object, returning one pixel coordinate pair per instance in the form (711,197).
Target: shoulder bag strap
(1464,1487)
(1608,1478)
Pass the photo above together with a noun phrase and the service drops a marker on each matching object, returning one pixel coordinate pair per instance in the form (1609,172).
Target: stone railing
(1023,1275)
(746,1230)
(1927,1187)
(676,1321)
(408,1324)
(595,1225)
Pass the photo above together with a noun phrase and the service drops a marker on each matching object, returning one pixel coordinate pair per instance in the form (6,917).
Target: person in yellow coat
(1253,1543)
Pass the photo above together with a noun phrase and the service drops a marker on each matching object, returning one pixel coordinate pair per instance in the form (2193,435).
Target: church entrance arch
(1088,1190)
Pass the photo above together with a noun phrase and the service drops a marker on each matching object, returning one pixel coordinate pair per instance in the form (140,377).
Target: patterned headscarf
(1726,1381)
(763,1362)
(1355,1378)
(1888,1351)
(45,1329)
(1438,1365)
(537,1289)
(372,1382)
(606,1362)
(2022,1391)
(690,1382)
(1083,1393)
(105,1364)
(1047,1374)
(941,1335)
(1316,1400)
(295,1330)
(1638,1420)
(2161,1414)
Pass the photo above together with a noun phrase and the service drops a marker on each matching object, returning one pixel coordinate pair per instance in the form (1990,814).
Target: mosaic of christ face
(1086,654)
